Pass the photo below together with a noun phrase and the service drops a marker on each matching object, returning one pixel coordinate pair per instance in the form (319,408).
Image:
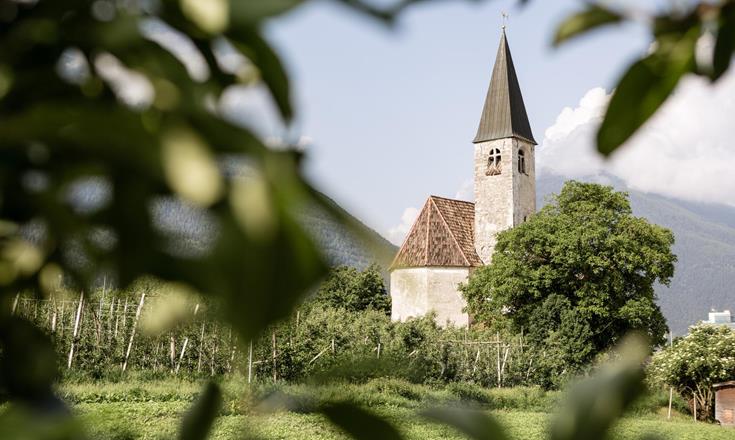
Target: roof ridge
(451,233)
(429,202)
(450,199)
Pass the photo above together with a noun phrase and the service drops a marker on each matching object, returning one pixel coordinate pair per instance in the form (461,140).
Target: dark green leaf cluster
(576,277)
(354,290)
(67,69)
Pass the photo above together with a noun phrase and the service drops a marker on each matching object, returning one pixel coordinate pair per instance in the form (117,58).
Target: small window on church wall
(493,163)
(521,162)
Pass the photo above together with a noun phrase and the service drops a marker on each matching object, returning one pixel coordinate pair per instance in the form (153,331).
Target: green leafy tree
(695,362)
(354,290)
(576,277)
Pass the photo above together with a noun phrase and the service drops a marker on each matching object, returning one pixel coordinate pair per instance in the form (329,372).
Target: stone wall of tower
(502,200)
(524,185)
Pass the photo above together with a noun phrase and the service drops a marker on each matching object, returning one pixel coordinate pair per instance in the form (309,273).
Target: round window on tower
(493,163)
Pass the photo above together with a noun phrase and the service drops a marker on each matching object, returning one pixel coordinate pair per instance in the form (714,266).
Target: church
(450,238)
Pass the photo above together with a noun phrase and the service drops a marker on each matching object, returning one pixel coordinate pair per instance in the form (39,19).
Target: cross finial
(505,16)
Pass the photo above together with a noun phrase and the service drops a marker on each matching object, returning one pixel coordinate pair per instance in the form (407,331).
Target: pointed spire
(504,114)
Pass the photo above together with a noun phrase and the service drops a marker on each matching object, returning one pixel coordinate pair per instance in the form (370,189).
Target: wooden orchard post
(201,348)
(132,332)
(15,303)
(183,347)
(181,356)
(695,406)
(497,344)
(213,357)
(671,390)
(125,315)
(53,318)
(109,318)
(172,351)
(61,318)
(275,372)
(75,334)
(250,362)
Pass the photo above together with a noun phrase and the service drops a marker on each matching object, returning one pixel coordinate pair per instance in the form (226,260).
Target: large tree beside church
(576,277)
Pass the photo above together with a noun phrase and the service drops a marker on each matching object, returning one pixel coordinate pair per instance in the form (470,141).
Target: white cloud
(466,191)
(685,151)
(397,233)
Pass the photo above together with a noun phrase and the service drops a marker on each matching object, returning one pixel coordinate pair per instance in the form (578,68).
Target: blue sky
(390,114)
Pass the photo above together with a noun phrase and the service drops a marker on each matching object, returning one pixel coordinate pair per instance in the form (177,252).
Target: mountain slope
(358,247)
(705,245)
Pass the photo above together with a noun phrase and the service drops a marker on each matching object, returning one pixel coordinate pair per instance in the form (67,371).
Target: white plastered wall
(420,290)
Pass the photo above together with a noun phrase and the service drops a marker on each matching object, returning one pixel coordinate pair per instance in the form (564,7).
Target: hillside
(342,246)
(705,245)
(191,232)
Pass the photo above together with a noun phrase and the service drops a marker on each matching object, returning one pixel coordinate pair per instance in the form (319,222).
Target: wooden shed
(725,403)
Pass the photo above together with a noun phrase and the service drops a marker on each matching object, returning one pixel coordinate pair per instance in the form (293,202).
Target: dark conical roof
(504,114)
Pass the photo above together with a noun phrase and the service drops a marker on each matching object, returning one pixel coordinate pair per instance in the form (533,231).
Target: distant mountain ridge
(358,247)
(704,277)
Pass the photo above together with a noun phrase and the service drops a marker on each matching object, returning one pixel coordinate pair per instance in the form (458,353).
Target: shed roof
(727,384)
(504,114)
(442,235)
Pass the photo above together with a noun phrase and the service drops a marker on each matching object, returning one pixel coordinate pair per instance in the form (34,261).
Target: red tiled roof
(443,235)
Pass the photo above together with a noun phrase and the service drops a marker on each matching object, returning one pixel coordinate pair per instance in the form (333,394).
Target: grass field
(152,410)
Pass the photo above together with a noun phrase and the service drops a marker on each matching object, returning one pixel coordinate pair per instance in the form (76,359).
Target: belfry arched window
(493,162)
(521,162)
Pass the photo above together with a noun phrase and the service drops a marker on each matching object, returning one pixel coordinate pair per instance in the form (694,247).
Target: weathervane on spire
(505,18)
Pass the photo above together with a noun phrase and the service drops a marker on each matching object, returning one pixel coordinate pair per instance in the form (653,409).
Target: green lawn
(152,410)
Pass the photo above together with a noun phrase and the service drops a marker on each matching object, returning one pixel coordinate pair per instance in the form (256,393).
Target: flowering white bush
(695,362)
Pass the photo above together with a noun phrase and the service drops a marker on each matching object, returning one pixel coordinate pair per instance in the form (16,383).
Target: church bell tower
(505,174)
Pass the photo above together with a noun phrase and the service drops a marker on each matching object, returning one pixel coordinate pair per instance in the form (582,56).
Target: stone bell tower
(505,174)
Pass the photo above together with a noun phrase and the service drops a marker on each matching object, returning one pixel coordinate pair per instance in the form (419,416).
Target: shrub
(695,362)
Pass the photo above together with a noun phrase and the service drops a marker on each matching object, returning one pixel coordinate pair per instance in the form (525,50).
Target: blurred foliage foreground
(104,95)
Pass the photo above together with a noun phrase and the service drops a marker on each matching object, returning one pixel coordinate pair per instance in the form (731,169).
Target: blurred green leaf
(249,12)
(593,17)
(199,419)
(725,45)
(17,422)
(675,24)
(27,375)
(359,423)
(594,405)
(475,424)
(273,74)
(644,88)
